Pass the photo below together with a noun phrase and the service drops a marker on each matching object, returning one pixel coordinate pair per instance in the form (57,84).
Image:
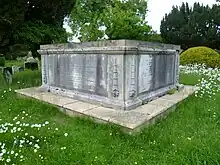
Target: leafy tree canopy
(32,21)
(112,19)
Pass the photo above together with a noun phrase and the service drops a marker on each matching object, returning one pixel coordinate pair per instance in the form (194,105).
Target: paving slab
(102,113)
(80,107)
(46,96)
(55,99)
(131,120)
(148,109)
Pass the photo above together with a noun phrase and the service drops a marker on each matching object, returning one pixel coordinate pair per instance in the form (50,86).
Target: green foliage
(10,63)
(39,33)
(26,79)
(200,55)
(35,33)
(154,37)
(2,61)
(22,80)
(22,21)
(111,19)
(189,79)
(190,27)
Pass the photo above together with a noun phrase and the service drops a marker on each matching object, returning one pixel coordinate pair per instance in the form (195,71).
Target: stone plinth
(120,74)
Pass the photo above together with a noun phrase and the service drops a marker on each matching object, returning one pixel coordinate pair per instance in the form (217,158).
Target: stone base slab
(132,120)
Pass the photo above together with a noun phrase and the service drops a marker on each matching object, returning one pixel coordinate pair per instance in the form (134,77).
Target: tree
(113,19)
(154,37)
(189,27)
(17,15)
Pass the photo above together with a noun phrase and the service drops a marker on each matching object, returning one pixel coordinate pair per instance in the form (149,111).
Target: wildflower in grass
(189,138)
(18,133)
(209,85)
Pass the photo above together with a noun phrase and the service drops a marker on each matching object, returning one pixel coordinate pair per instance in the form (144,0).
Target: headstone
(9,69)
(15,69)
(31,63)
(122,74)
(8,74)
(20,69)
(29,54)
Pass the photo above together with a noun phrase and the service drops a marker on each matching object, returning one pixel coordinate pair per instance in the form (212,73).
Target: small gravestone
(8,74)
(31,63)
(20,69)
(15,69)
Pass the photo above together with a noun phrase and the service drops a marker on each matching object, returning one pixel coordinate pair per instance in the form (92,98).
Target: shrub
(2,61)
(200,55)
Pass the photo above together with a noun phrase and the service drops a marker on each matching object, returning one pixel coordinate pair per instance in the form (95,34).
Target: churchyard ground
(32,132)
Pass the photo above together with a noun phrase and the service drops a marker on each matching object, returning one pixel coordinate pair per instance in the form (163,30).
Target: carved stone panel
(131,76)
(90,73)
(160,65)
(77,70)
(52,70)
(44,69)
(101,75)
(170,69)
(145,76)
(115,88)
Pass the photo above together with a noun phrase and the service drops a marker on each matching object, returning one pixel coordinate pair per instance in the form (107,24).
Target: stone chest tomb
(120,74)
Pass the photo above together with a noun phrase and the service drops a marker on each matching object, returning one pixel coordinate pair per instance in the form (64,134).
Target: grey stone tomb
(120,74)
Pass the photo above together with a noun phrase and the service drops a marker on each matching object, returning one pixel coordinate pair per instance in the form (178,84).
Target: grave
(30,62)
(7,73)
(125,82)
(16,69)
(121,74)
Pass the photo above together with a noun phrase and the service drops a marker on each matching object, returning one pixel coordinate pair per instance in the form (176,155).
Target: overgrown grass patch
(25,79)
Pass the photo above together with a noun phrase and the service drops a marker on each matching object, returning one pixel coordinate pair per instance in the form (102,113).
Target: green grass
(190,135)
(10,63)
(189,79)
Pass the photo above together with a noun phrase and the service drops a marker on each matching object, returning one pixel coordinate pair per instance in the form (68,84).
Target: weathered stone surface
(148,109)
(121,74)
(46,96)
(132,120)
(80,106)
(129,119)
(102,113)
(7,73)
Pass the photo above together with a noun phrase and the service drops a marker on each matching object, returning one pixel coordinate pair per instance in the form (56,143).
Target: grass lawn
(190,135)
(14,62)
